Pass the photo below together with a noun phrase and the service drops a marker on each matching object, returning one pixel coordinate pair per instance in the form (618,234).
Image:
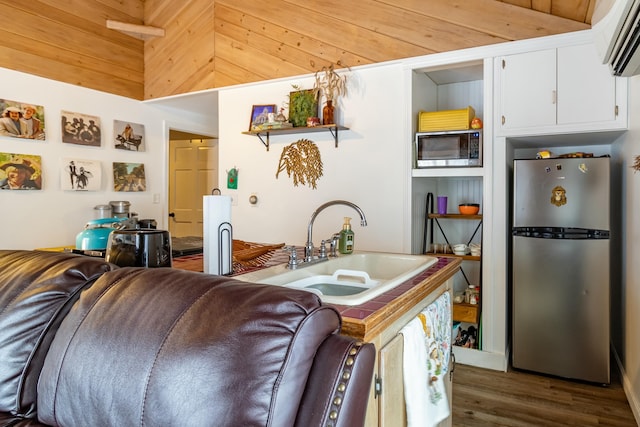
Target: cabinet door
(586,88)
(392,405)
(528,89)
(392,408)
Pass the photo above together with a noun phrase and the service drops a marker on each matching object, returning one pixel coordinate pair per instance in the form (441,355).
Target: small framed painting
(128,135)
(20,172)
(21,120)
(81,129)
(129,177)
(261,114)
(80,175)
(302,105)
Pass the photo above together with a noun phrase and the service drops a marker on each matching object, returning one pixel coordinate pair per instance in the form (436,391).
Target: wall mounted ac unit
(616,29)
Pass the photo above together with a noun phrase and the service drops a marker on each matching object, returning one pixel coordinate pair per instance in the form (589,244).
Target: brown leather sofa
(85,343)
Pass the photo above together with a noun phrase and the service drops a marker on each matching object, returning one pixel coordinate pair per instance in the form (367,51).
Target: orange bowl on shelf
(469,208)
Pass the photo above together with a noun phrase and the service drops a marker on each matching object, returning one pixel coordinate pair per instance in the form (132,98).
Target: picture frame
(80,174)
(260,115)
(129,177)
(302,105)
(20,171)
(22,120)
(128,135)
(81,129)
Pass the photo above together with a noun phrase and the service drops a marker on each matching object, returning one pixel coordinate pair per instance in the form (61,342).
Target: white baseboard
(480,359)
(628,388)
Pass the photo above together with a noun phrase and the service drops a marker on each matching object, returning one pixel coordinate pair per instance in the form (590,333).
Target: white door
(193,173)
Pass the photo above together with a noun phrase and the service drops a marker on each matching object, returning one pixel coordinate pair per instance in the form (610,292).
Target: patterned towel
(427,349)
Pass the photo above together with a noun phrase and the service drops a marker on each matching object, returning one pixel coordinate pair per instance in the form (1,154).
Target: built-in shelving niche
(451,87)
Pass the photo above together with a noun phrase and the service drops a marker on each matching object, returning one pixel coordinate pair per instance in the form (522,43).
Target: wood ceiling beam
(142,32)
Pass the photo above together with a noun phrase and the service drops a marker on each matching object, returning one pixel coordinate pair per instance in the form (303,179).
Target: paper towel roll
(218,236)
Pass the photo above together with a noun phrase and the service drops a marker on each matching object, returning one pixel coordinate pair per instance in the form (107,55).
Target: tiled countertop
(368,319)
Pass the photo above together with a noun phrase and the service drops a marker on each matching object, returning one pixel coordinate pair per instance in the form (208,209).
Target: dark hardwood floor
(483,397)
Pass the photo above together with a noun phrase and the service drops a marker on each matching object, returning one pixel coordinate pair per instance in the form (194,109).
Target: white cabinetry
(563,90)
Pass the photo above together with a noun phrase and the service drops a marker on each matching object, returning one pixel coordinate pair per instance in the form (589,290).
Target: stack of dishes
(460,249)
(475,249)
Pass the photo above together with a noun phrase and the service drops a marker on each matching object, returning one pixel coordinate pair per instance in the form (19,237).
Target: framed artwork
(80,175)
(129,177)
(20,172)
(128,135)
(260,115)
(81,129)
(22,120)
(302,105)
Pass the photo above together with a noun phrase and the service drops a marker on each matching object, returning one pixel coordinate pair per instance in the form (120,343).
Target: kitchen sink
(348,279)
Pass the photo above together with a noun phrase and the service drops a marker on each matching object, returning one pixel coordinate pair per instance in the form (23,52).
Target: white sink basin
(348,279)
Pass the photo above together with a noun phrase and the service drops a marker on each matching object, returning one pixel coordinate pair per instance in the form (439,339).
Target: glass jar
(472,295)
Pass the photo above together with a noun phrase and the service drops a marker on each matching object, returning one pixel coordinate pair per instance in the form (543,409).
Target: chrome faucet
(308,249)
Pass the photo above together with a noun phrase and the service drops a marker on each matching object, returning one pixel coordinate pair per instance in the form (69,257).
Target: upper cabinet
(563,90)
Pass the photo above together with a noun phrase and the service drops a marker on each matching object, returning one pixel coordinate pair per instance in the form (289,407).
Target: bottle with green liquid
(345,244)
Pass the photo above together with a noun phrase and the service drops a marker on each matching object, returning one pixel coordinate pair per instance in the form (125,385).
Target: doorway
(193,173)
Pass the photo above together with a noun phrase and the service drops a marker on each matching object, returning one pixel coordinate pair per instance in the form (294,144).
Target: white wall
(630,148)
(367,168)
(52,217)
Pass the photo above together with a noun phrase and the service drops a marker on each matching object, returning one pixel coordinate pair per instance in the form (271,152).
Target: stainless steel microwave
(449,149)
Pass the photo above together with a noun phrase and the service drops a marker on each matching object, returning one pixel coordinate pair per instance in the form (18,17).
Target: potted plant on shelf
(332,85)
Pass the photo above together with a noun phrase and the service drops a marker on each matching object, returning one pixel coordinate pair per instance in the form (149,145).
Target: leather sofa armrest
(337,390)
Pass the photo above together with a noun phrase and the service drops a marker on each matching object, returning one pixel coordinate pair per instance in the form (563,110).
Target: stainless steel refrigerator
(561,267)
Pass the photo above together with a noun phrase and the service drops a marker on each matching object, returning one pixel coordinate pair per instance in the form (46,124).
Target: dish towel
(427,349)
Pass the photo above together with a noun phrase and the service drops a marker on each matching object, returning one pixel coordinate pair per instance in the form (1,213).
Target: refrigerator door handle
(559,233)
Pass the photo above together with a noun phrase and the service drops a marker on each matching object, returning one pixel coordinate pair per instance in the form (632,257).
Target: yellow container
(429,121)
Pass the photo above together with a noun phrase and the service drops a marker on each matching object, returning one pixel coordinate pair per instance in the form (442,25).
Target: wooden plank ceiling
(218,43)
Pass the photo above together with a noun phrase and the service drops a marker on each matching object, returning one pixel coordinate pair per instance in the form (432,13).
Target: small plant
(330,83)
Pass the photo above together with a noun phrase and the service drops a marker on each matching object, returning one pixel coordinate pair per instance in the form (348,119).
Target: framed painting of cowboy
(21,120)
(20,172)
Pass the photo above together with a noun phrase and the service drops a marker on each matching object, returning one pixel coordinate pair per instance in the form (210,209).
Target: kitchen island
(379,321)
(366,320)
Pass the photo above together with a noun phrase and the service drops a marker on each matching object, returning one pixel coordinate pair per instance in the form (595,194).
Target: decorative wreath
(302,160)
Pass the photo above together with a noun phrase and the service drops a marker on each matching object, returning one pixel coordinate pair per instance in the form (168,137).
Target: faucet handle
(323,249)
(334,245)
(293,257)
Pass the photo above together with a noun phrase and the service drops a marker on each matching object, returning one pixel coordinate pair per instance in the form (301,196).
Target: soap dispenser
(345,244)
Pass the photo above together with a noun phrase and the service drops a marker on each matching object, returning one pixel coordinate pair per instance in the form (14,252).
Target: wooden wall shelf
(287,131)
(455,216)
(463,257)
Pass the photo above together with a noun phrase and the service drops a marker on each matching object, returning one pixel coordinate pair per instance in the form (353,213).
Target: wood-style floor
(483,397)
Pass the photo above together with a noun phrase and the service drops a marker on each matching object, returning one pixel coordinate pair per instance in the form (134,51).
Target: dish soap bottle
(345,244)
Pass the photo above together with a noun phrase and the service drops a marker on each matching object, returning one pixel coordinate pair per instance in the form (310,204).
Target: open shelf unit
(440,88)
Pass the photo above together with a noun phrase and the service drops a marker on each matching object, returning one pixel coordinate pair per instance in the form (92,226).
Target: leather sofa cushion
(175,348)
(36,290)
